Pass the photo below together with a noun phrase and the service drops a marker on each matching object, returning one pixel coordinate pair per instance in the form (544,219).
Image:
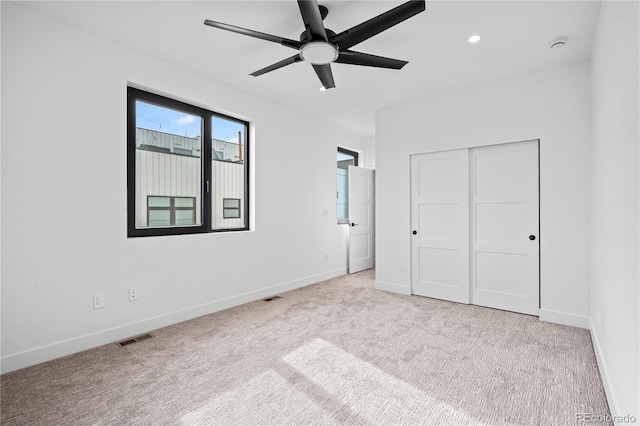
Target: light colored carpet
(337,352)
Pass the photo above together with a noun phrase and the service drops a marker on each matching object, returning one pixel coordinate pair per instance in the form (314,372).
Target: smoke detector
(558,42)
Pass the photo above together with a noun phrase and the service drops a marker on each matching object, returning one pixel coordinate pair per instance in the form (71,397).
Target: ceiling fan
(320,46)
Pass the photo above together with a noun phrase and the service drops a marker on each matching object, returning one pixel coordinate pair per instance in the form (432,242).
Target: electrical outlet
(133,294)
(98,301)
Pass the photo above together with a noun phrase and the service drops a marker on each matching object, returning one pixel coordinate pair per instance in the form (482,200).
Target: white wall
(615,189)
(552,106)
(371,153)
(64,198)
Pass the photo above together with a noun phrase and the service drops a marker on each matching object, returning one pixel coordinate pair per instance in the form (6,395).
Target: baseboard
(604,372)
(564,318)
(393,288)
(62,348)
(45,353)
(222,304)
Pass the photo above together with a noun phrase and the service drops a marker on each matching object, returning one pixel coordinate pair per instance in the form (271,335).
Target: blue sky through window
(161,119)
(342,156)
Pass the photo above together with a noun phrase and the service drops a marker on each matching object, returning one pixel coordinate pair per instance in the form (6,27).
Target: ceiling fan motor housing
(304,37)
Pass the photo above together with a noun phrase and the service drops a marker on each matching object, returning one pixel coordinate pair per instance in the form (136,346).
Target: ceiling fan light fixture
(319,53)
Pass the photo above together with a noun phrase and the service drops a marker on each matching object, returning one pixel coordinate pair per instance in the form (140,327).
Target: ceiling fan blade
(376,25)
(367,60)
(325,75)
(251,33)
(312,20)
(277,65)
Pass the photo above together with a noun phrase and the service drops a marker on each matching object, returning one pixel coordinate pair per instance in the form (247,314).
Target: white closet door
(505,226)
(440,225)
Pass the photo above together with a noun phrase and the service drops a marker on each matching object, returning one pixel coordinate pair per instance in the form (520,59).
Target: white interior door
(361,219)
(505,226)
(440,225)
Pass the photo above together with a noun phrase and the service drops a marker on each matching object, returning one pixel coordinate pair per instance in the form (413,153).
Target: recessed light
(474,38)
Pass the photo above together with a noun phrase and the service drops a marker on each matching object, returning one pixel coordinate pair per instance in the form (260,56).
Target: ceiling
(515,41)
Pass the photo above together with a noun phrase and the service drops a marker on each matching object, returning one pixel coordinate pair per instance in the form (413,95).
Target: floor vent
(135,339)
(269,299)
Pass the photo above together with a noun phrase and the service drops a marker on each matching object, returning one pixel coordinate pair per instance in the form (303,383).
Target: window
(183,163)
(346,158)
(231,208)
(171,211)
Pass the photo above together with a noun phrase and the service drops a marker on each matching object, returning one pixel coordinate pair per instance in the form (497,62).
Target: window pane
(345,159)
(343,195)
(159,202)
(168,161)
(185,202)
(228,173)
(185,217)
(159,218)
(231,213)
(231,203)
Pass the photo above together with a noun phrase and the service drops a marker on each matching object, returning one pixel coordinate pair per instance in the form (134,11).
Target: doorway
(361,219)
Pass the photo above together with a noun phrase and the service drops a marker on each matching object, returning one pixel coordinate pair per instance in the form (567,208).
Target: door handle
(532,237)
(415,232)
(353,224)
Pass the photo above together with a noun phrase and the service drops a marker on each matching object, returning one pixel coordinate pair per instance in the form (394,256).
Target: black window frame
(351,153)
(133,95)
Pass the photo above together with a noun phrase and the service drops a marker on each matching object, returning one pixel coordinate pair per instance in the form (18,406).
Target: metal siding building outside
(165,175)
(170,166)
(228,182)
